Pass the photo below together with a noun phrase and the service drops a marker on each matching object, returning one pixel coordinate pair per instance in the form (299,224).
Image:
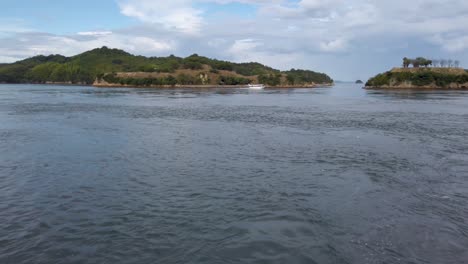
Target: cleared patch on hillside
(453,71)
(213,76)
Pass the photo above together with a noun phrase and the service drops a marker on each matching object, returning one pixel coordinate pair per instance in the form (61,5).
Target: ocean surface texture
(326,175)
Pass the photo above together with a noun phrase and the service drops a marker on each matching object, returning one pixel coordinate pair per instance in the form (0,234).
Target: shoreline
(325,85)
(207,86)
(52,84)
(412,88)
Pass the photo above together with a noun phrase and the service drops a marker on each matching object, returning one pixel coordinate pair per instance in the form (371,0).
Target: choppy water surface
(328,175)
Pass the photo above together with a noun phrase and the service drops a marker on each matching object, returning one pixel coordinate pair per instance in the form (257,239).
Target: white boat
(256,86)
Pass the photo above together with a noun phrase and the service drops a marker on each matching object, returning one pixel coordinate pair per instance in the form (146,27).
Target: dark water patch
(306,118)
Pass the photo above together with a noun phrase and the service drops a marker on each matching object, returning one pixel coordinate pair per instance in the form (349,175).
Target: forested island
(114,67)
(445,74)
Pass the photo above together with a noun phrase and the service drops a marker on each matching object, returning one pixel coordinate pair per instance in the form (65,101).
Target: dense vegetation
(170,80)
(419,78)
(302,76)
(98,63)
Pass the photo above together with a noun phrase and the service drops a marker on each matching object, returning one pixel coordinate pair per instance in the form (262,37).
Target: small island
(359,82)
(105,67)
(425,74)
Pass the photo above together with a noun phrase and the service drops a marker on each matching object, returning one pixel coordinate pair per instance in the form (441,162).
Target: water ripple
(338,175)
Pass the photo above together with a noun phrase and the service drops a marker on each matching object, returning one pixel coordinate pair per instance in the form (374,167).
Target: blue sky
(347,39)
(65,17)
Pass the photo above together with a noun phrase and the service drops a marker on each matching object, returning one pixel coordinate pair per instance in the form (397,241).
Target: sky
(349,40)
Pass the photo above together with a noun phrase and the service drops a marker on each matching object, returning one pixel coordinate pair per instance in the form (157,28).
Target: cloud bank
(348,39)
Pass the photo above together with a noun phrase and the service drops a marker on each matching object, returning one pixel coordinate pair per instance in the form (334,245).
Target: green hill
(443,78)
(110,64)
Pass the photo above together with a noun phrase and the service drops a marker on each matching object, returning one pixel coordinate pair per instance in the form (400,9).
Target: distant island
(445,74)
(105,67)
(359,82)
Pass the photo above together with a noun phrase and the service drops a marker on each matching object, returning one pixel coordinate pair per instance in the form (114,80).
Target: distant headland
(425,73)
(105,67)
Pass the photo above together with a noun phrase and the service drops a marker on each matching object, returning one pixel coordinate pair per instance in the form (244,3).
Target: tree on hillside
(425,62)
(443,62)
(429,63)
(419,61)
(406,62)
(450,63)
(435,63)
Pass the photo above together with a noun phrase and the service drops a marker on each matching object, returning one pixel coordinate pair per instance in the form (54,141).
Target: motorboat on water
(256,86)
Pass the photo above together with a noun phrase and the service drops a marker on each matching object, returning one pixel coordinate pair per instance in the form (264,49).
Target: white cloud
(94,33)
(332,25)
(7,59)
(281,33)
(244,45)
(174,14)
(336,45)
(452,43)
(31,44)
(251,50)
